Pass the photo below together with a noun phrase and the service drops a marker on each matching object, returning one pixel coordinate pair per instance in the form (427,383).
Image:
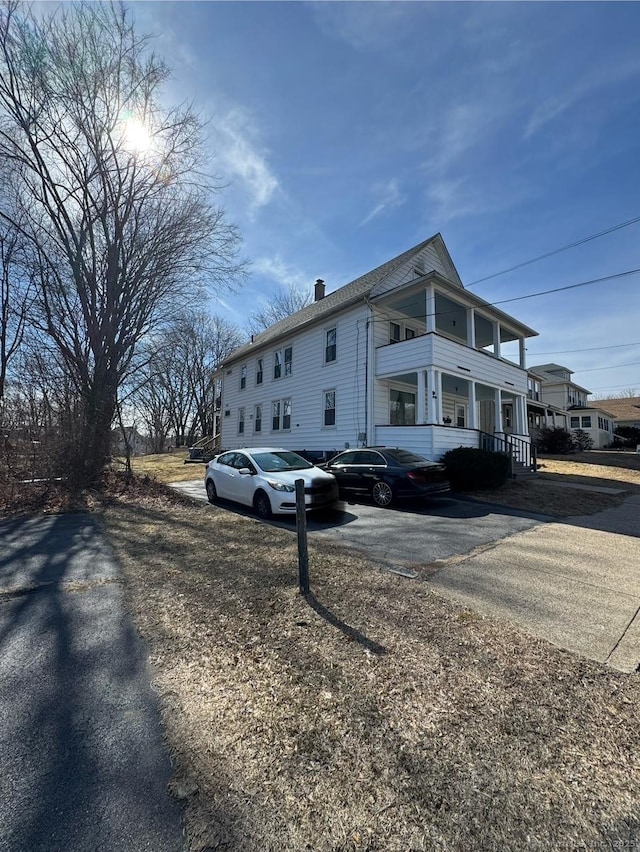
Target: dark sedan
(386,474)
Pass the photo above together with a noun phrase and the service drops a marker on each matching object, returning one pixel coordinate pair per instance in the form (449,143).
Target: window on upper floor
(395,332)
(257,419)
(259,370)
(288,360)
(330,345)
(243,377)
(277,364)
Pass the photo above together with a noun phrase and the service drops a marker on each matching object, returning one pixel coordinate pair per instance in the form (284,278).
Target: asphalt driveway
(414,534)
(576,583)
(82,763)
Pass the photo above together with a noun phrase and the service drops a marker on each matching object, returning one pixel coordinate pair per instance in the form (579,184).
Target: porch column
(471,328)
(521,407)
(498,405)
(438,396)
(432,402)
(523,354)
(421,412)
(496,340)
(430,297)
(472,406)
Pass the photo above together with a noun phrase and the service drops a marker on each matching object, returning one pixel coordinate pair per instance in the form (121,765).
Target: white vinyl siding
(304,387)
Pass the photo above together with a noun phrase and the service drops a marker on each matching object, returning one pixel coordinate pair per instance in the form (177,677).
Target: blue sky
(348,132)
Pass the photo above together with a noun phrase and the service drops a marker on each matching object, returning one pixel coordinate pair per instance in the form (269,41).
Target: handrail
(516,448)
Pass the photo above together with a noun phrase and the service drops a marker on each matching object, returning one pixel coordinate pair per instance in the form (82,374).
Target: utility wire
(613,367)
(568,287)
(556,251)
(588,349)
(515,298)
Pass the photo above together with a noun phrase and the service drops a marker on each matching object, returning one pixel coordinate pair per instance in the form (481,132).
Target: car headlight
(280,486)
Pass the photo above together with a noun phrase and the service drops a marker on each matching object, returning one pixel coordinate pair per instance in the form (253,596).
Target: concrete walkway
(82,762)
(575,583)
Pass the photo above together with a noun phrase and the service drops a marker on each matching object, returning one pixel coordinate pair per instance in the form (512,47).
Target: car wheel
(262,505)
(382,494)
(212,494)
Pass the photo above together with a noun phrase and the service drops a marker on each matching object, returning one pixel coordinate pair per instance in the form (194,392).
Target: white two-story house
(402,356)
(566,404)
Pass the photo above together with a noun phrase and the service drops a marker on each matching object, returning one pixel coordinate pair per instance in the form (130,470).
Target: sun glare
(136,136)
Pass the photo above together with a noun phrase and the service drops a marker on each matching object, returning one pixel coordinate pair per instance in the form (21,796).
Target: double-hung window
(288,360)
(275,416)
(241,421)
(281,415)
(277,364)
(259,371)
(257,419)
(243,377)
(330,345)
(329,415)
(395,332)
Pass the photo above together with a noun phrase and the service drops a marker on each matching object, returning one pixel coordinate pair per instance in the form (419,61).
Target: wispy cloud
(240,153)
(587,84)
(388,196)
(367,26)
(285,274)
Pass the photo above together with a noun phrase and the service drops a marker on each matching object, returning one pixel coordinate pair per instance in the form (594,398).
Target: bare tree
(15,298)
(281,305)
(173,388)
(107,187)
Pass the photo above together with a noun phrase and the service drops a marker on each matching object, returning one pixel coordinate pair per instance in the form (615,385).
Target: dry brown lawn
(376,717)
(168,467)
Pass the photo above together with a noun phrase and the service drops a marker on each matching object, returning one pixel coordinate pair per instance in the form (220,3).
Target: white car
(264,477)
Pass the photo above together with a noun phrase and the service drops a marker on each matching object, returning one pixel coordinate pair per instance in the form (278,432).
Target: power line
(556,251)
(588,349)
(516,298)
(613,367)
(568,287)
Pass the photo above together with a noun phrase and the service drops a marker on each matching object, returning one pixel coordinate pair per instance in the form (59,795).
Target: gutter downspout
(369,377)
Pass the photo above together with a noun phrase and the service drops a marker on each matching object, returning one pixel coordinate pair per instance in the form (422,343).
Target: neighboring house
(625,411)
(402,356)
(138,444)
(563,399)
(540,412)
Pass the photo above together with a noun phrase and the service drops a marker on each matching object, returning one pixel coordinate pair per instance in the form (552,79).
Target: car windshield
(281,460)
(406,457)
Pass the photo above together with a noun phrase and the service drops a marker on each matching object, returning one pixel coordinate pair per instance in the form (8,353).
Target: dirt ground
(374,716)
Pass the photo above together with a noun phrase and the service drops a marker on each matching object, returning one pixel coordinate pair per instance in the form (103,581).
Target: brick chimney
(319,293)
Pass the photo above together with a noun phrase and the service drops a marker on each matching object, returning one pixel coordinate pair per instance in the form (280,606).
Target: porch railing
(520,451)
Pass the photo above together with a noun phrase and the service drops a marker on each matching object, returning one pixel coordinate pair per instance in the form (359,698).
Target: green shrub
(555,439)
(626,436)
(469,469)
(582,441)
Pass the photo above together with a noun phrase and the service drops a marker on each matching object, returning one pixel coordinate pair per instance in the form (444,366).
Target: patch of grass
(289,732)
(168,467)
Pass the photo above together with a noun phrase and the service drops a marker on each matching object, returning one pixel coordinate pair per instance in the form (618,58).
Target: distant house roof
(544,372)
(627,408)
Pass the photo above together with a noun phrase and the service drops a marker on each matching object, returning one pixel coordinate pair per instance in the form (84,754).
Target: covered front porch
(431,411)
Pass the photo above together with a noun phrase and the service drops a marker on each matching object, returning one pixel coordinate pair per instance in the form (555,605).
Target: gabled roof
(627,408)
(341,298)
(541,371)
